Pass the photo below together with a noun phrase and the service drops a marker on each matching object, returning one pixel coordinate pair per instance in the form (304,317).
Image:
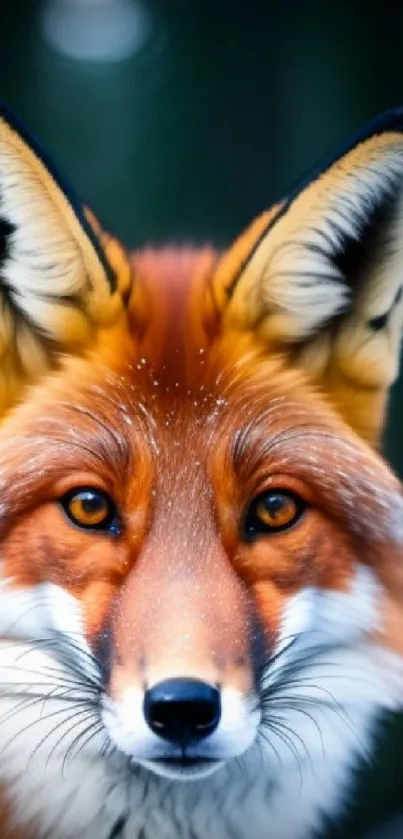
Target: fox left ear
(58,285)
(321,276)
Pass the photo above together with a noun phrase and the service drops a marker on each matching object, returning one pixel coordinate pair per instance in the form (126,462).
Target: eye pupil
(91,503)
(274,503)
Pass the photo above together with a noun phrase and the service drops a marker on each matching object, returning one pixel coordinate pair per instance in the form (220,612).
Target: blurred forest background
(221,106)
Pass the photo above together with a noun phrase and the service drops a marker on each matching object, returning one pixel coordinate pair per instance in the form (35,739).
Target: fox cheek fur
(201,549)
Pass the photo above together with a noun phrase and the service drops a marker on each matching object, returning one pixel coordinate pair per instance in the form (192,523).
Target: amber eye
(91,509)
(273,511)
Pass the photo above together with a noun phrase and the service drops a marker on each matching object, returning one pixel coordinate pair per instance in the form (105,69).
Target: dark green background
(214,119)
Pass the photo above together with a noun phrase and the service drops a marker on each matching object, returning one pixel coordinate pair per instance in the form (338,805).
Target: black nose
(182,711)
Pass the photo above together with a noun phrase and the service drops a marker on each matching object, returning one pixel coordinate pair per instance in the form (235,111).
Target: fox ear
(57,286)
(321,276)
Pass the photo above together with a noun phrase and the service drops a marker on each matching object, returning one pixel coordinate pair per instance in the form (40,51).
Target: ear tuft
(57,286)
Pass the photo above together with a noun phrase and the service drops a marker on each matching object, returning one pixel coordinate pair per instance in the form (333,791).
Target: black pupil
(92,503)
(274,503)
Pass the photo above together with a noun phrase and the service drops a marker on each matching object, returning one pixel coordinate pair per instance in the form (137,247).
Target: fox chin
(201,571)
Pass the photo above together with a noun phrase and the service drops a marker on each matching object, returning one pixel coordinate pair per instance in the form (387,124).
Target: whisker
(31,724)
(285,727)
(63,680)
(68,732)
(278,730)
(55,645)
(309,716)
(30,700)
(263,734)
(334,706)
(94,728)
(78,715)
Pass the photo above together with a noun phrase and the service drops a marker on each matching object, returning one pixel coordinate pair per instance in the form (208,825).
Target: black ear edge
(390,121)
(30,139)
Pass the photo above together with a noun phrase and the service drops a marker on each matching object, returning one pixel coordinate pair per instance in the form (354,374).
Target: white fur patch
(126,725)
(322,697)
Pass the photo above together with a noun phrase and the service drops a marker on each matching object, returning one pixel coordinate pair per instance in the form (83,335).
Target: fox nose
(182,711)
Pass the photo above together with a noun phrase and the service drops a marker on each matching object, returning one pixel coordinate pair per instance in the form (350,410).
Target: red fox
(201,600)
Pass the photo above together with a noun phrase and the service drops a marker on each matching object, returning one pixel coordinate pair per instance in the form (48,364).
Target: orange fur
(183,424)
(184,438)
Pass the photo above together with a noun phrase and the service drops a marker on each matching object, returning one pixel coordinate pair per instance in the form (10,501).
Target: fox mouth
(183,768)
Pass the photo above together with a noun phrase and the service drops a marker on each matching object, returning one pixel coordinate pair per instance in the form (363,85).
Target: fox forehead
(181,392)
(201,434)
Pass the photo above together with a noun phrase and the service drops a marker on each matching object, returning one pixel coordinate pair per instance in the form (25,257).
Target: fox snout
(181,669)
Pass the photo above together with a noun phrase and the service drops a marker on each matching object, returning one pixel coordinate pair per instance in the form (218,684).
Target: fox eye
(272,512)
(90,509)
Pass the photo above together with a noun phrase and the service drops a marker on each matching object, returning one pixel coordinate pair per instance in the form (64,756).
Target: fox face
(201,547)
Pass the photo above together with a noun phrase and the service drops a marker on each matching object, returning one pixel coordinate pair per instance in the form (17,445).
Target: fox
(201,544)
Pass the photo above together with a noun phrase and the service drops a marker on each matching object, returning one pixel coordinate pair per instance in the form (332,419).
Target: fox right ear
(320,278)
(57,285)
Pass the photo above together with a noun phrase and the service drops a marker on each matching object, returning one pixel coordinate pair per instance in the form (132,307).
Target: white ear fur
(324,282)
(56,285)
